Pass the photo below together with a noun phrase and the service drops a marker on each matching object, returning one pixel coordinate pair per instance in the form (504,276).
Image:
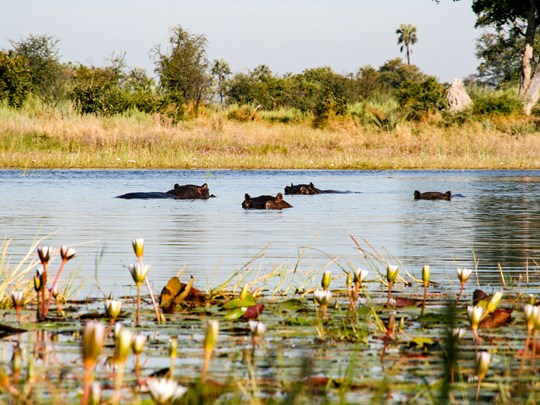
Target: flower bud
(122,346)
(138,247)
(173,347)
(67,253)
(392,273)
(93,341)
(482,364)
(456,333)
(530,316)
(17,297)
(95,393)
(426,273)
(326,278)
(39,279)
(138,344)
(112,308)
(244,293)
(210,338)
(494,301)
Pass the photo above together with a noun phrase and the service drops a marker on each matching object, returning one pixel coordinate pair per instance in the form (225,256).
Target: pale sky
(286,35)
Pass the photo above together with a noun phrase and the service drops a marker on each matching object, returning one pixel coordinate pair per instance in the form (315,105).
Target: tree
(221,71)
(517,13)
(183,66)
(48,74)
(406,38)
(15,78)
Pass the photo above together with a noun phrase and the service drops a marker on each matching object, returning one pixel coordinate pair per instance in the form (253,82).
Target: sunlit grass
(47,137)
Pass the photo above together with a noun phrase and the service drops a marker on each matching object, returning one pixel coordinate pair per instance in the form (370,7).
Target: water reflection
(496,221)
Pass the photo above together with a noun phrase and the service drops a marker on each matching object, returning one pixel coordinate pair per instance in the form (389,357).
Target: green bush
(421,98)
(496,103)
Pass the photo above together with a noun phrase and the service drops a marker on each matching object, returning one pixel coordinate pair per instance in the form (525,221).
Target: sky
(287,35)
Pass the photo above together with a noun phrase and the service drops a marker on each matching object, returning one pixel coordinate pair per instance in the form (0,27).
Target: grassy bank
(60,138)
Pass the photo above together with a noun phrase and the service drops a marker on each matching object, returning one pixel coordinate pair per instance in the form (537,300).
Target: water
(496,222)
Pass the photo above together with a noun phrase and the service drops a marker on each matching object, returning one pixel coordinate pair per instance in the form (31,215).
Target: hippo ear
(279,197)
(292,184)
(204,186)
(416,193)
(311,185)
(177,186)
(247,197)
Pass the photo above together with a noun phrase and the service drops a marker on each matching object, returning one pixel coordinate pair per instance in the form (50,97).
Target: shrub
(496,103)
(421,98)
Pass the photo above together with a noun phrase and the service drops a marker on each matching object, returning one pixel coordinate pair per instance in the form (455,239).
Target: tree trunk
(530,83)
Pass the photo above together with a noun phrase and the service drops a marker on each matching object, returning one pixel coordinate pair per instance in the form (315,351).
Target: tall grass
(376,137)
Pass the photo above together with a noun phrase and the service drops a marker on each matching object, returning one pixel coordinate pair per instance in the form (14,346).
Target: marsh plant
(391,276)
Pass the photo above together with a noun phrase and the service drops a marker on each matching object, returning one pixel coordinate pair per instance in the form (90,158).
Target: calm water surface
(496,221)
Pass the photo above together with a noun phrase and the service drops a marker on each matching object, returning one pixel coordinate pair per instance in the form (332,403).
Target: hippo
(432,195)
(186,192)
(309,189)
(265,202)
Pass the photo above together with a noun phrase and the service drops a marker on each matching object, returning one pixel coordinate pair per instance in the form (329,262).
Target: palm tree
(406,38)
(221,70)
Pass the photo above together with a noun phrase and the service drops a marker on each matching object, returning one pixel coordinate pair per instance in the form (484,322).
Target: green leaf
(235,314)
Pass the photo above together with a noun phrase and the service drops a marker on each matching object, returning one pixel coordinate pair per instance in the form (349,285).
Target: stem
(207,356)
(43,288)
(478,387)
(138,305)
(86,384)
(424,303)
(54,284)
(389,293)
(154,303)
(527,341)
(535,336)
(119,378)
(459,294)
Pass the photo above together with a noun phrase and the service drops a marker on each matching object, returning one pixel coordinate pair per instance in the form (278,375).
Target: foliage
(421,98)
(406,38)
(394,72)
(494,103)
(49,76)
(221,71)
(15,78)
(182,68)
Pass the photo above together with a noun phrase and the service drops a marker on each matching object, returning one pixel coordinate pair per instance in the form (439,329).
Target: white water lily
(164,390)
(464,274)
(457,333)
(18,298)
(44,253)
(392,273)
(494,301)
(360,275)
(138,343)
(426,273)
(112,308)
(322,297)
(138,272)
(257,328)
(475,315)
(483,359)
(67,253)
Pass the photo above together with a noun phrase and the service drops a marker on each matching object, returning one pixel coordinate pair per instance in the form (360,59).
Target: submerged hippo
(265,202)
(186,192)
(309,189)
(432,195)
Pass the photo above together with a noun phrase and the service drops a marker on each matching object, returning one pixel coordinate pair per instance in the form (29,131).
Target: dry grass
(54,138)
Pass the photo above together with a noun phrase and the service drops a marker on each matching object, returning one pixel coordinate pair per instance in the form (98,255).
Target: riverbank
(63,139)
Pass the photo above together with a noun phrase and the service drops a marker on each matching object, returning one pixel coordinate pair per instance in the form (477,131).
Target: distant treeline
(186,81)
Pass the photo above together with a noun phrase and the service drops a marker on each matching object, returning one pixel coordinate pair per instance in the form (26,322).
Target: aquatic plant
(483,359)
(210,338)
(92,345)
(66,253)
(475,315)
(463,275)
(391,276)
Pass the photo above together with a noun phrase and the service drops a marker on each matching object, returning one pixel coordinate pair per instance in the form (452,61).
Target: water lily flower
(39,281)
(463,275)
(322,298)
(426,272)
(138,344)
(17,297)
(164,390)
(212,331)
(112,308)
(392,273)
(123,343)
(139,272)
(457,333)
(257,328)
(360,275)
(531,313)
(67,253)
(483,359)
(93,341)
(391,276)
(494,301)
(138,247)
(475,315)
(326,278)
(95,393)
(44,253)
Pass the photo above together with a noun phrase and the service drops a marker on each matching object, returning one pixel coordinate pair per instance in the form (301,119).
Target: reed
(46,137)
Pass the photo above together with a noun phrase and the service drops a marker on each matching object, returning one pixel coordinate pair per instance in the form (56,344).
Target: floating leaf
(176,292)
(234,314)
(254,311)
(292,305)
(237,303)
(298,320)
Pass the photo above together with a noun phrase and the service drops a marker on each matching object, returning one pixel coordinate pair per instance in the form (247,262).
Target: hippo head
(191,191)
(277,203)
(292,189)
(247,203)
